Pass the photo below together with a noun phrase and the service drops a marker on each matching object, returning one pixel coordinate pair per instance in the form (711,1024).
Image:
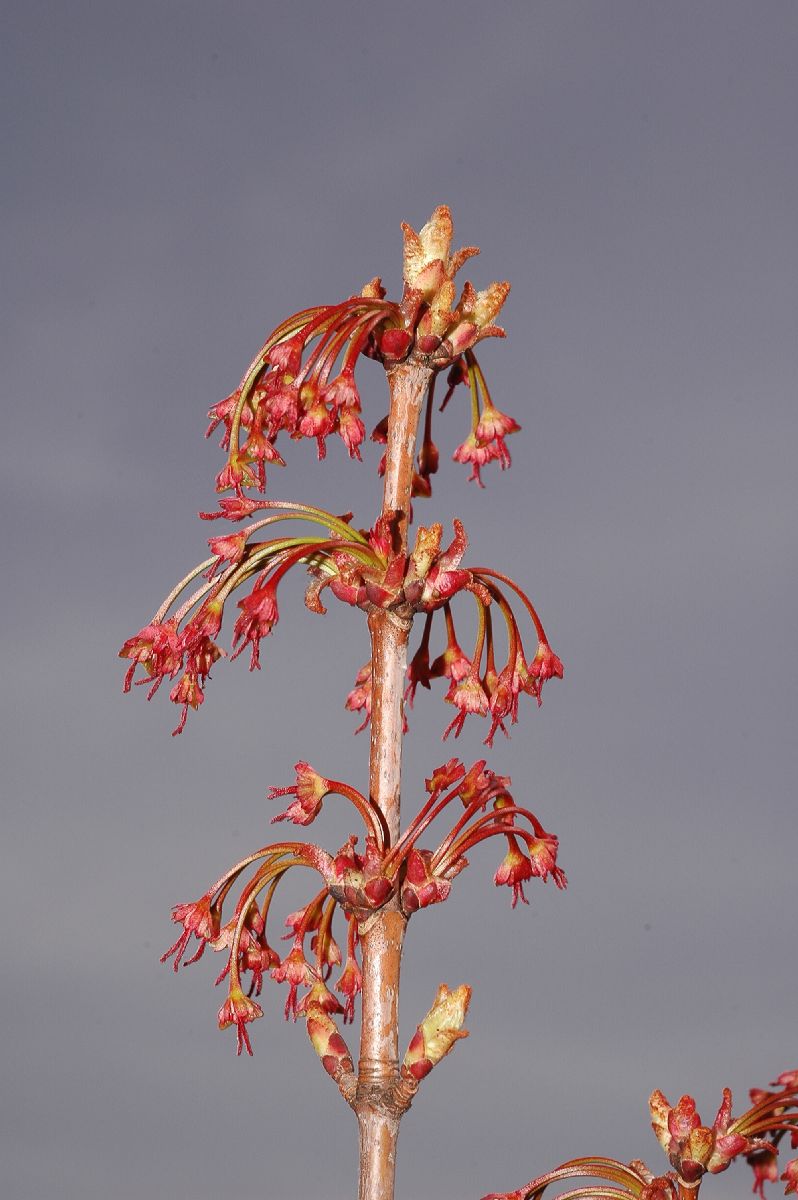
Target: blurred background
(178,178)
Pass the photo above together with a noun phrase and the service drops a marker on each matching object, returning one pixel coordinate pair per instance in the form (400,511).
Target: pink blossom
(223,412)
(342,391)
(258,616)
(236,473)
(790,1177)
(477,454)
(543,856)
(494,425)
(158,649)
(349,985)
(310,789)
(197,919)
(296,972)
(229,547)
(469,696)
(545,665)
(234,508)
(445,776)
(359,699)
(319,997)
(764,1164)
(352,431)
(188,692)
(514,870)
(286,356)
(238,1010)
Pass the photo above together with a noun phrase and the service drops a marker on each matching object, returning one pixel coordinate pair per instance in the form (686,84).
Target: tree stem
(376,1106)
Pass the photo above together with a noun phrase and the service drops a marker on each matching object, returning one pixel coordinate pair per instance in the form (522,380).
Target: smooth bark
(380,1097)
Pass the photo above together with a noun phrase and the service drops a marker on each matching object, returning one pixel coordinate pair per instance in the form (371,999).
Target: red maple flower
(349,984)
(477,453)
(297,972)
(790,1177)
(310,789)
(359,699)
(157,648)
(514,870)
(238,1010)
(764,1164)
(469,696)
(198,919)
(258,616)
(188,692)
(543,857)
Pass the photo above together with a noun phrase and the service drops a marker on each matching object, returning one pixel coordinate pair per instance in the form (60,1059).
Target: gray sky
(177,179)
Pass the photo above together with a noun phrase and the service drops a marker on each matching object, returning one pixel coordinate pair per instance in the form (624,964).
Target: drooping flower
(239,1010)
(188,692)
(297,972)
(790,1177)
(319,997)
(199,920)
(477,454)
(259,615)
(545,665)
(342,392)
(514,870)
(468,695)
(543,858)
(229,547)
(352,431)
(764,1164)
(350,983)
(359,699)
(158,649)
(257,957)
(418,671)
(495,426)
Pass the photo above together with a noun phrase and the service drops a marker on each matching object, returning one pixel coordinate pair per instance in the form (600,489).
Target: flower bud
(327,1042)
(438,1032)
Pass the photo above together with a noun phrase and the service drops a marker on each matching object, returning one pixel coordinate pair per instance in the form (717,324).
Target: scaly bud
(327,1042)
(438,1032)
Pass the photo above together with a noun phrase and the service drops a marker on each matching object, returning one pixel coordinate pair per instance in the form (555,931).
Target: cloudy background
(177,178)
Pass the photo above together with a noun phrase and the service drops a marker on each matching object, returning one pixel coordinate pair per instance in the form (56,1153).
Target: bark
(380,1098)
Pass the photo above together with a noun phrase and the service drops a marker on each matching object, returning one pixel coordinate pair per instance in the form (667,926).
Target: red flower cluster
(184,642)
(695,1149)
(302,381)
(291,388)
(476,687)
(362,569)
(355,883)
